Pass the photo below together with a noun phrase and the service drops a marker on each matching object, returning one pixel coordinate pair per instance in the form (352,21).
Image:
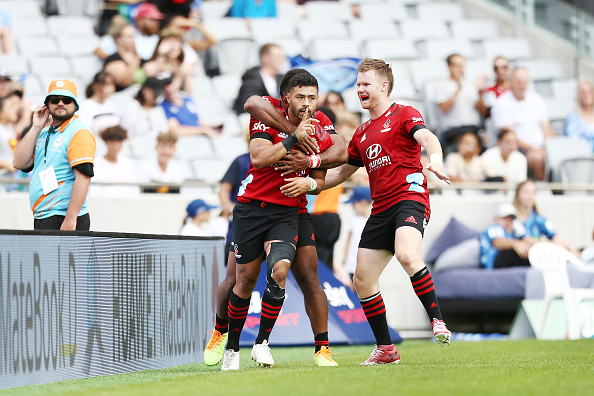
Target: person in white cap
(59,149)
(502,242)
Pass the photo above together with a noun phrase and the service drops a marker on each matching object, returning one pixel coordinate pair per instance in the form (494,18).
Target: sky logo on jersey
(418,119)
(260,126)
(373,151)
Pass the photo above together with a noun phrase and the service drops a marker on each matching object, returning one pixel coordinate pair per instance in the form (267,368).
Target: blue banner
(347,323)
(333,75)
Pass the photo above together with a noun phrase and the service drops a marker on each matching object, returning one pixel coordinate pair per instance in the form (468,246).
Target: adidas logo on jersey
(410,219)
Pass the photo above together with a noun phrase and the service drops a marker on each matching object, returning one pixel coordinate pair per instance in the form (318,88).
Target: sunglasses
(56,99)
(504,67)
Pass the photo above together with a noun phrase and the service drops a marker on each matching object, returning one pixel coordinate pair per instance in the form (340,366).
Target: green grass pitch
(527,367)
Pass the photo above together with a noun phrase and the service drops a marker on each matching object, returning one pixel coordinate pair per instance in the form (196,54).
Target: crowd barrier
(82,304)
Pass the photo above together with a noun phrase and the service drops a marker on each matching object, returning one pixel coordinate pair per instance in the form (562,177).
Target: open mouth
(363,98)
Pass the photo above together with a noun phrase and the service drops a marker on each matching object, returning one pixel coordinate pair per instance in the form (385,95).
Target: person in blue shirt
(182,112)
(503,243)
(535,224)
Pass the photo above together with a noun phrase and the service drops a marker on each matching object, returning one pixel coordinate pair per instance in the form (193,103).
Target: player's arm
(264,153)
(332,157)
(80,188)
(338,175)
(313,184)
(431,144)
(226,203)
(265,112)
(23,155)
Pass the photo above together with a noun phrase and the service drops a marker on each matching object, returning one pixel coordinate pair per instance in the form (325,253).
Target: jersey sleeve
(81,148)
(354,155)
(259,130)
(325,122)
(412,120)
(326,139)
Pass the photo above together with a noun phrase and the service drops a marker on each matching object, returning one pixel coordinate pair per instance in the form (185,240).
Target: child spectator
(197,222)
(465,164)
(114,168)
(163,169)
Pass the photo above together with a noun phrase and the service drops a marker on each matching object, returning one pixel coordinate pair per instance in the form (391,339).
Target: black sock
(238,310)
(222,325)
(422,283)
(271,307)
(321,340)
(375,311)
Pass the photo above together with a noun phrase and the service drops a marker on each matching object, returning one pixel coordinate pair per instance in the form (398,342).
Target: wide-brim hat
(62,87)
(360,194)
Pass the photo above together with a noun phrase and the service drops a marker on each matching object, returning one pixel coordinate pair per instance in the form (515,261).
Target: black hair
(328,112)
(284,84)
(302,80)
(99,78)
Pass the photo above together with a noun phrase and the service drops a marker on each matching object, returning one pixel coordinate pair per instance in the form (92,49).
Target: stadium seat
(202,86)
(317,29)
(382,12)
(577,170)
(266,29)
(31,47)
(33,86)
(225,28)
(70,25)
(142,147)
(390,49)
(236,55)
(51,66)
(561,148)
(474,29)
(552,260)
(288,10)
(445,12)
(193,147)
(214,9)
(14,65)
(511,48)
(210,170)
(542,69)
(291,46)
(441,49)
(328,11)
(30,27)
(424,71)
(85,67)
(226,87)
(422,29)
(22,9)
(362,31)
(229,147)
(326,49)
(74,46)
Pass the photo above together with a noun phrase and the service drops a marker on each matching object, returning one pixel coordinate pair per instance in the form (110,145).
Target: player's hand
(296,186)
(293,161)
(308,145)
(306,126)
(41,117)
(521,248)
(436,168)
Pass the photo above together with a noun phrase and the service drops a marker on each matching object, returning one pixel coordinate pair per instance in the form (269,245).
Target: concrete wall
(572,215)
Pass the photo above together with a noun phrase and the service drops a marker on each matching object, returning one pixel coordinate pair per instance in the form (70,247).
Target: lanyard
(51,130)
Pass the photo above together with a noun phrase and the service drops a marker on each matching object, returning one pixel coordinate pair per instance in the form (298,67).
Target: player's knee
(407,258)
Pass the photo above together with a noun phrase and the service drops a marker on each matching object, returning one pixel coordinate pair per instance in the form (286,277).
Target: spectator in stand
(587,255)
(253,9)
(169,57)
(174,7)
(198,221)
(120,8)
(96,110)
(524,112)
(491,94)
(504,160)
(6,39)
(163,169)
(262,80)
(9,106)
(458,103)
(195,38)
(125,63)
(580,122)
(503,243)
(144,116)
(148,22)
(182,113)
(465,164)
(536,226)
(114,168)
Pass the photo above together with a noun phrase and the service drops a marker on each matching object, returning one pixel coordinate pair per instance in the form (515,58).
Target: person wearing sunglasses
(501,70)
(59,150)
